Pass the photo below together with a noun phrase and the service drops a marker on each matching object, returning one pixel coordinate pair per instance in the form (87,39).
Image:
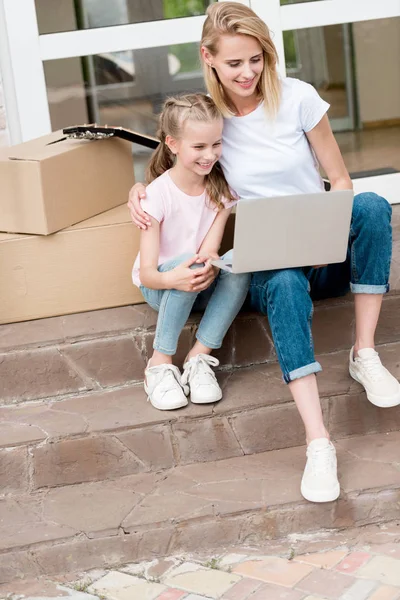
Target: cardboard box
(85,267)
(53,182)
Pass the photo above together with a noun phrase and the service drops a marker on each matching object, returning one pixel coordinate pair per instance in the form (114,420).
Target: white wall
(3,123)
(377,51)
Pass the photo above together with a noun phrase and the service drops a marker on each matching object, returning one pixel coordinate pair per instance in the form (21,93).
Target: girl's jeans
(221,301)
(285,295)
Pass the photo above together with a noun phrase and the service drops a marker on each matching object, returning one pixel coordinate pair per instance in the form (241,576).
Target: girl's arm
(328,154)
(212,242)
(150,277)
(180,278)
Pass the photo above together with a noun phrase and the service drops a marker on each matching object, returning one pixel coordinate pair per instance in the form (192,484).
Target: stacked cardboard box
(56,255)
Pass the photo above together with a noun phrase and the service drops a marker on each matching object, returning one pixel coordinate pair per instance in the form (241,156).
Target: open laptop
(290,231)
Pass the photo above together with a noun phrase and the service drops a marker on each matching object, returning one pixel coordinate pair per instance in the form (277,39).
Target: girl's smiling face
(239,63)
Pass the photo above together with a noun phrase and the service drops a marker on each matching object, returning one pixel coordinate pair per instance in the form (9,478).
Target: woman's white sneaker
(164,388)
(320,482)
(200,377)
(381,387)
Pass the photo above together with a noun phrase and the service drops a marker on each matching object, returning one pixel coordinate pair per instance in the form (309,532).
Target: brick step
(237,501)
(109,434)
(88,352)
(107,349)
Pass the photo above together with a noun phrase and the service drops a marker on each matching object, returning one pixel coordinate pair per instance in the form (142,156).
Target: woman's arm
(212,242)
(328,154)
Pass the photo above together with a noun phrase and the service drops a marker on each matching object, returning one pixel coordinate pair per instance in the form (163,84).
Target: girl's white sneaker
(381,387)
(199,376)
(164,387)
(320,482)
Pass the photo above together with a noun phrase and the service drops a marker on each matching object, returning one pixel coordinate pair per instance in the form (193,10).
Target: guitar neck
(136,138)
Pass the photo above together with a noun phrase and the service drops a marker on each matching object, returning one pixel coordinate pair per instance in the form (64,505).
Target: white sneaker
(164,388)
(381,387)
(197,373)
(320,482)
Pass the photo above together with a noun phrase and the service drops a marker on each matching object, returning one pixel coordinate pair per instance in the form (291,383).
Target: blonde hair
(176,112)
(233,18)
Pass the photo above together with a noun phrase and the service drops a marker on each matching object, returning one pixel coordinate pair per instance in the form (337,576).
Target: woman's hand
(139,217)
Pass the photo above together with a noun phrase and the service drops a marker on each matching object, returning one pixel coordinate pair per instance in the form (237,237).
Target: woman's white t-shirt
(265,157)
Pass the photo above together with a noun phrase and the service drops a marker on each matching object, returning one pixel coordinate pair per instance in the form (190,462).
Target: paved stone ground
(359,564)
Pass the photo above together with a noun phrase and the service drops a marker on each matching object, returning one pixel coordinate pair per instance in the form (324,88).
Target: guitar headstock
(89,132)
(101,132)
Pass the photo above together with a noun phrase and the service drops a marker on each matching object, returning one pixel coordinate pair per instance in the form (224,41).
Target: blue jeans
(221,302)
(285,295)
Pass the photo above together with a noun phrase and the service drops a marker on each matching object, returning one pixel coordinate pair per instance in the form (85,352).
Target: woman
(276,131)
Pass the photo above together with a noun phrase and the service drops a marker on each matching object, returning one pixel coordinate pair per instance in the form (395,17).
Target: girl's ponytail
(161,160)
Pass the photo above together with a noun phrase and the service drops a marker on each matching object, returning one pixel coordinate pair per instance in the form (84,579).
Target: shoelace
(201,364)
(372,366)
(321,460)
(166,377)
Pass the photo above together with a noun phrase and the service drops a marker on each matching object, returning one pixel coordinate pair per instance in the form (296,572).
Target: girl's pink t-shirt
(184,220)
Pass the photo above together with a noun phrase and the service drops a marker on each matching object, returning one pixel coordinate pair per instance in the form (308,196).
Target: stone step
(90,352)
(110,434)
(245,500)
(108,349)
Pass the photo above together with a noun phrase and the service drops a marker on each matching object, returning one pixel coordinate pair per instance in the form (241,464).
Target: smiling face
(199,147)
(239,63)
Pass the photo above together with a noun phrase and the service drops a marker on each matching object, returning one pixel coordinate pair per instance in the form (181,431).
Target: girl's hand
(139,217)
(181,278)
(203,277)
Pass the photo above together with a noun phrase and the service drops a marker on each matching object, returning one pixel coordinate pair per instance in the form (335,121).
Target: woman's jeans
(285,294)
(221,301)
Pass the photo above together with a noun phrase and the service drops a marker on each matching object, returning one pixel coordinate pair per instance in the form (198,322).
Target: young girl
(188,203)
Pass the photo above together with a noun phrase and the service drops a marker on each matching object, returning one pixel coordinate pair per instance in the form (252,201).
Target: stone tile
(334,378)
(36,374)
(385,592)
(353,414)
(151,446)
(14,475)
(252,342)
(169,507)
(51,423)
(227,560)
(360,474)
(333,328)
(209,582)
(102,322)
(197,597)
(205,440)
(242,589)
(381,448)
(274,570)
(147,315)
(326,583)
(40,332)
(21,524)
(382,568)
(259,386)
(171,594)
(32,587)
(120,586)
(276,592)
(186,567)
(353,561)
(114,361)
(204,535)
(82,459)
(92,507)
(360,590)
(388,329)
(14,434)
(389,549)
(324,560)
(161,566)
(269,429)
